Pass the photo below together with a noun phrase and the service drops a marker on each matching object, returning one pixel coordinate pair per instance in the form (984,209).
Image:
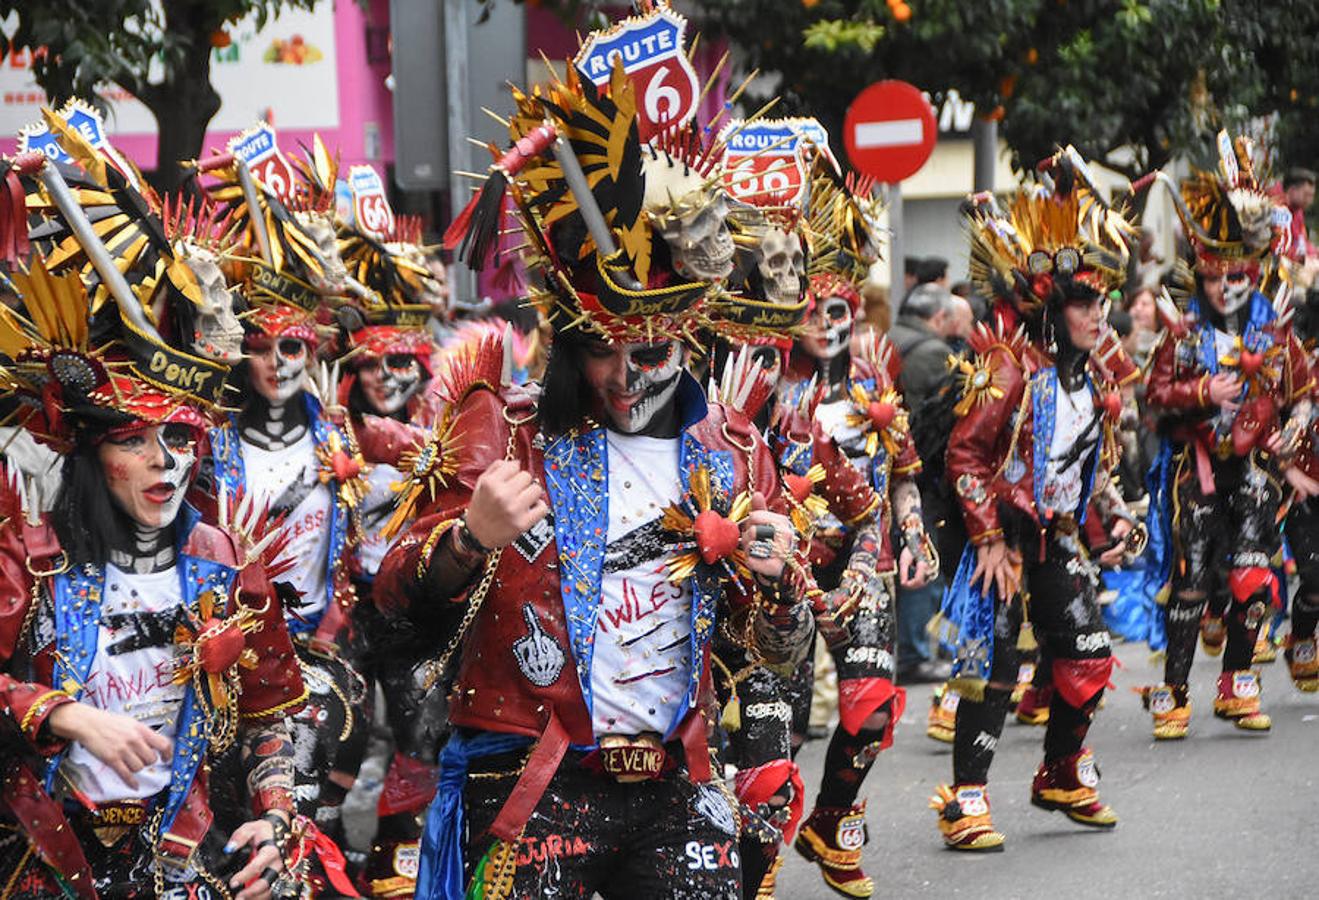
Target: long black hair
(566,399)
(85,516)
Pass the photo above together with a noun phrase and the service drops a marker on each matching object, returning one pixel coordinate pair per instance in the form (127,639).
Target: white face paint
(1237,288)
(829,330)
(279,369)
(217,332)
(782,264)
(635,382)
(334,276)
(701,244)
(390,381)
(148,470)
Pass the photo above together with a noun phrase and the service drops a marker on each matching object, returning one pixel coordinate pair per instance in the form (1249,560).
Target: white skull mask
(333,278)
(391,381)
(284,370)
(653,373)
(217,333)
(701,244)
(782,264)
(830,329)
(1237,288)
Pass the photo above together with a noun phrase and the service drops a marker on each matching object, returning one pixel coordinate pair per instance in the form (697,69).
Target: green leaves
(833,35)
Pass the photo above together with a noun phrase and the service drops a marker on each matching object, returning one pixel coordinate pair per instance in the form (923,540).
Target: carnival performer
(292,451)
(389,353)
(1232,386)
(838,461)
(1302,529)
(594,540)
(1033,444)
(138,643)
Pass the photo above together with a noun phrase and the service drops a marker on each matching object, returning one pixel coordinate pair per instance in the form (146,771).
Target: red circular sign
(889,131)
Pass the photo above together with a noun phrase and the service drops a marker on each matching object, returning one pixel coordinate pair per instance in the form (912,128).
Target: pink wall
(363,99)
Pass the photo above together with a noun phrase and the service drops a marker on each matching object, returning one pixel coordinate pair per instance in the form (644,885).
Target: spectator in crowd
(1298,191)
(961,319)
(919,337)
(911,268)
(1144,327)
(933,270)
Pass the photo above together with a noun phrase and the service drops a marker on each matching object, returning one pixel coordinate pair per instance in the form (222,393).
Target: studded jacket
(525,667)
(48,627)
(1000,441)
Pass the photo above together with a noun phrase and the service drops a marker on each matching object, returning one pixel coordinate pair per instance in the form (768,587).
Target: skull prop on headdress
(692,217)
(782,265)
(333,277)
(217,333)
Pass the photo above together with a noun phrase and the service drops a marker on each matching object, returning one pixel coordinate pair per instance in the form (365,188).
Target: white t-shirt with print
(1073,411)
(276,476)
(132,674)
(642,662)
(376,509)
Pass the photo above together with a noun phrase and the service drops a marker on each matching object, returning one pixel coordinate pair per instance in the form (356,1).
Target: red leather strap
(47,829)
(540,768)
(694,746)
(1204,469)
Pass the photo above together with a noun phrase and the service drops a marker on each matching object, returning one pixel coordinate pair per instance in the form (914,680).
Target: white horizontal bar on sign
(894,133)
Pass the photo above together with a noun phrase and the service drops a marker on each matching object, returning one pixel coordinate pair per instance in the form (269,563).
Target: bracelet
(279,827)
(469,541)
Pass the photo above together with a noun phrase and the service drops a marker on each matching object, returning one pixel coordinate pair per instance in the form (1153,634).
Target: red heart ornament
(346,468)
(716,537)
(1251,360)
(218,646)
(1113,405)
(799,486)
(881,414)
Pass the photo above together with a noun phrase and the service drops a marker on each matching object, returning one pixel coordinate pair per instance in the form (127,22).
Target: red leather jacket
(28,695)
(526,661)
(992,457)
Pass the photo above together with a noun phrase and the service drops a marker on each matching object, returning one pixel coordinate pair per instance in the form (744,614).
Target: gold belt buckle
(112,821)
(632,759)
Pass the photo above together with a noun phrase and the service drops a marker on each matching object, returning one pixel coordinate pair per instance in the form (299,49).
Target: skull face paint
(333,278)
(829,330)
(148,469)
(278,367)
(390,381)
(634,382)
(217,333)
(700,241)
(1227,293)
(782,265)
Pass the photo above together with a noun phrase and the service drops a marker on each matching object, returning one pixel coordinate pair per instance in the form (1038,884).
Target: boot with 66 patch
(832,838)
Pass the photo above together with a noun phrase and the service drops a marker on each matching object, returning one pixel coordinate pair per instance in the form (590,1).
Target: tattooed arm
(267,756)
(915,549)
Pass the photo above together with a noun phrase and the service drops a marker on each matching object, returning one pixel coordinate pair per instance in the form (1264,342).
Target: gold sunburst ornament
(978,385)
(709,531)
(429,468)
(879,416)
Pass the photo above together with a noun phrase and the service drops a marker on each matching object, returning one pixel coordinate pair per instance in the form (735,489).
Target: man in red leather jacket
(1232,387)
(1034,442)
(524,542)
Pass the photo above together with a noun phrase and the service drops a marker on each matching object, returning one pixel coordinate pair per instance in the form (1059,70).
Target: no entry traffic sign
(889,131)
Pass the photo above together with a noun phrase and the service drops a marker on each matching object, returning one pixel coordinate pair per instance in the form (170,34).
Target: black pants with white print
(667,839)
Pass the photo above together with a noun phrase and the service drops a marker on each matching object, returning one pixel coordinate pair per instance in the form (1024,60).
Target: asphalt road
(1220,814)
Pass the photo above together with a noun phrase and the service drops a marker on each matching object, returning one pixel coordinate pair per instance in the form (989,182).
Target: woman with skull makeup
(1033,445)
(387,398)
(284,450)
(137,643)
(1232,385)
(858,435)
(594,537)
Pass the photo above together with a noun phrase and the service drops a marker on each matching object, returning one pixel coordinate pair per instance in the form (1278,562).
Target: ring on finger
(269,875)
(764,532)
(760,550)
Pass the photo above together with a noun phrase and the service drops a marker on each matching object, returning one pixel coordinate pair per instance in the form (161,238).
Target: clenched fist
(505,502)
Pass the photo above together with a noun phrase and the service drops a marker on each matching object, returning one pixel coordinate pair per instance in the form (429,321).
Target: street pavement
(1220,814)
